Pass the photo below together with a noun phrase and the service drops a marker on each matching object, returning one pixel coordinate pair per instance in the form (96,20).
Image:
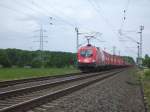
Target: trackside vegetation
(18,64)
(21,73)
(128,59)
(146,61)
(145,77)
(24,58)
(32,59)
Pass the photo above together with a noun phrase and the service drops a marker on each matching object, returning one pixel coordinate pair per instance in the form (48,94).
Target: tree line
(146,61)
(128,59)
(35,59)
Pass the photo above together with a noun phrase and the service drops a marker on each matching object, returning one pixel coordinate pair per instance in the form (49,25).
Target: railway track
(35,79)
(23,99)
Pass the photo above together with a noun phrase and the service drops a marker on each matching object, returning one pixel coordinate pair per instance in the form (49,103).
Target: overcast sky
(20,21)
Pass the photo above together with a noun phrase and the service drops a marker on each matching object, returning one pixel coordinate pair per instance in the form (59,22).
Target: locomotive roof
(88,46)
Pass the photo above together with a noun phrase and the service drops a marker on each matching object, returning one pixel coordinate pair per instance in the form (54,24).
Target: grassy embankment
(20,73)
(145,77)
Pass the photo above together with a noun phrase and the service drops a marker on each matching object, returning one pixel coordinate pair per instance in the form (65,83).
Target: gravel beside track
(120,93)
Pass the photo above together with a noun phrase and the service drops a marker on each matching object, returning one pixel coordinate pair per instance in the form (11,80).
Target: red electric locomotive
(93,58)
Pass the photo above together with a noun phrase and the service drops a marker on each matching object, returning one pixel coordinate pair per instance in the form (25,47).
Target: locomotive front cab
(86,53)
(86,57)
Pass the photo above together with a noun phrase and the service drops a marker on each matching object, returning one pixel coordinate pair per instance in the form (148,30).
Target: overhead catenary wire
(45,11)
(66,17)
(30,6)
(60,12)
(98,9)
(21,12)
(52,14)
(121,31)
(14,10)
(125,11)
(130,38)
(123,22)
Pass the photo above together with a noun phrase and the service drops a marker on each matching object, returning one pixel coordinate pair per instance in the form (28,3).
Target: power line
(98,9)
(139,45)
(38,11)
(87,35)
(125,11)
(130,38)
(60,12)
(14,10)
(37,5)
(28,6)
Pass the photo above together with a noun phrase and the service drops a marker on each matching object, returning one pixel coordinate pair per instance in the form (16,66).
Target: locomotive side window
(86,53)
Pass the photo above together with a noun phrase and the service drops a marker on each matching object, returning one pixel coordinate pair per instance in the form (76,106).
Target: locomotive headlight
(79,60)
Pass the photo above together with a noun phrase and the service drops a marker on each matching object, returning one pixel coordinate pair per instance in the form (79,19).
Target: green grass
(146,84)
(144,76)
(20,73)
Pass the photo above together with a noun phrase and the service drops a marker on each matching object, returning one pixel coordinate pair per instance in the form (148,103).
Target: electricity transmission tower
(41,43)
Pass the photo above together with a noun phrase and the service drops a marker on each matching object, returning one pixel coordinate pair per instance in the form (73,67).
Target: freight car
(93,58)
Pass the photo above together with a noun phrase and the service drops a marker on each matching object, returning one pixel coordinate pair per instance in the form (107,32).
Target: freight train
(93,58)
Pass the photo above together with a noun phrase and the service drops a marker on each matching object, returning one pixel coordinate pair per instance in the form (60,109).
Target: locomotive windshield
(86,53)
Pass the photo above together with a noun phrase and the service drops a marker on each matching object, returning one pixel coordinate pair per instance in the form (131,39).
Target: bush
(4,61)
(147,73)
(36,64)
(21,58)
(146,61)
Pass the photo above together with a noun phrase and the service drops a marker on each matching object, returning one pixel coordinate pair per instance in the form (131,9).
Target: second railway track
(24,99)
